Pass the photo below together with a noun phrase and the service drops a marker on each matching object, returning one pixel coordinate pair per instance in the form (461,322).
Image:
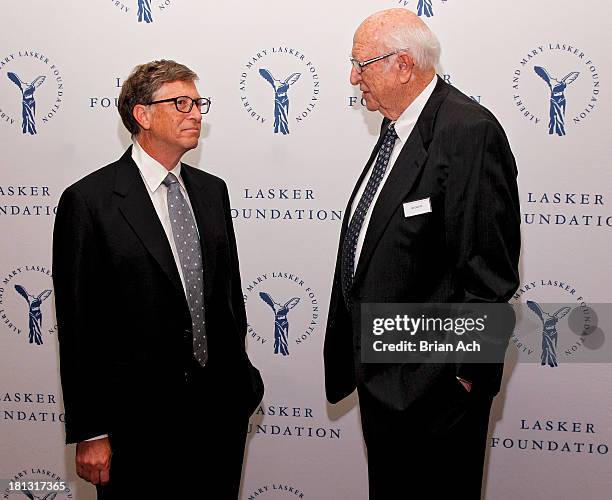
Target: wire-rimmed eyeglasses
(359,65)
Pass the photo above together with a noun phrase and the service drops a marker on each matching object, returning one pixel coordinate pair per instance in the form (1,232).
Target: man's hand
(93,460)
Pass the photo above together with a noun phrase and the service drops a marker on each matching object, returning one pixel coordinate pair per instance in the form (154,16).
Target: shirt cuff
(101,436)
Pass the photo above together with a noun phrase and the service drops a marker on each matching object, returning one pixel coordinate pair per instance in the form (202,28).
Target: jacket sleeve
(75,270)
(237,299)
(256,386)
(483,230)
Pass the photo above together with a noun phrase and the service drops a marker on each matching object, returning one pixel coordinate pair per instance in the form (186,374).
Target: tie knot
(391,133)
(169,180)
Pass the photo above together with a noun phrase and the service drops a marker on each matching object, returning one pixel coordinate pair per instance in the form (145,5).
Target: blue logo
(281,100)
(276,113)
(541,336)
(549,332)
(141,11)
(281,325)
(37,483)
(23,303)
(34,313)
(144,11)
(557,88)
(25,73)
(534,100)
(423,7)
(275,338)
(28,105)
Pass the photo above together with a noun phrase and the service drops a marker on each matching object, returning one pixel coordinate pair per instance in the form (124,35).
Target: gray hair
(143,82)
(419,41)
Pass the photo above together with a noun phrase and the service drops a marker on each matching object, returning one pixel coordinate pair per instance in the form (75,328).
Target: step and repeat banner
(543,68)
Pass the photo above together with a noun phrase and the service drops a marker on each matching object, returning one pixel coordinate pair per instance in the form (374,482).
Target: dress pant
(415,454)
(178,457)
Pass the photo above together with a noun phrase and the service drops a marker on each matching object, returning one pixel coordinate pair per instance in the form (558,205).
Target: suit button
(187,334)
(186,377)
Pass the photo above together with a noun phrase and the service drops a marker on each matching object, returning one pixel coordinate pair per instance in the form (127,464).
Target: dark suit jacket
(122,313)
(465,250)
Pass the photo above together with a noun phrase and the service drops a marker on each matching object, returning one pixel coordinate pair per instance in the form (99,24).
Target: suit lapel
(402,177)
(200,199)
(138,210)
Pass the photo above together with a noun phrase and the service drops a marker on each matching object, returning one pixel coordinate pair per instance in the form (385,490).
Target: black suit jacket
(465,250)
(121,309)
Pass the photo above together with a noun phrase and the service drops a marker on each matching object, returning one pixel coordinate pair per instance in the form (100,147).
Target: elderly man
(150,309)
(447,157)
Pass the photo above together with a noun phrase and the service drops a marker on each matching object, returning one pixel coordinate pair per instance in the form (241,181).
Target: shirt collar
(405,123)
(151,170)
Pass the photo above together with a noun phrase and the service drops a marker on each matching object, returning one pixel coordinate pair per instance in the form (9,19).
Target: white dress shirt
(153,173)
(403,127)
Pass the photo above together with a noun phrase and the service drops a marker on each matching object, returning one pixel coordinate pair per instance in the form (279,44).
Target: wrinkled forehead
(369,37)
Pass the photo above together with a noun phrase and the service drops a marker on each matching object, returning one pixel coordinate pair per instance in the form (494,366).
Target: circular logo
(25,303)
(33,89)
(37,483)
(424,8)
(283,312)
(143,11)
(276,490)
(279,88)
(556,87)
(553,322)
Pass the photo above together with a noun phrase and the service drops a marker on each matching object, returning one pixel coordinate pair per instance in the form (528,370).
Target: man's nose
(355,76)
(195,114)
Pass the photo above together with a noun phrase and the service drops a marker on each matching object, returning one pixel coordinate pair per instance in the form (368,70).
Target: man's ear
(142,115)
(406,66)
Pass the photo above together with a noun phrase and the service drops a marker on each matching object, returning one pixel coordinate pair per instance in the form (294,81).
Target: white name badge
(417,207)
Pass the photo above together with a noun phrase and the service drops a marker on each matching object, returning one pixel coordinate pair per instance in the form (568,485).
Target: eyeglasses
(359,65)
(184,104)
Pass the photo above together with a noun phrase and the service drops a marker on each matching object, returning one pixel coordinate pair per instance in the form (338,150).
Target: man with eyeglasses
(150,310)
(433,218)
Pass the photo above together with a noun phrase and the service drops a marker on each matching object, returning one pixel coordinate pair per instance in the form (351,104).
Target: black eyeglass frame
(204,103)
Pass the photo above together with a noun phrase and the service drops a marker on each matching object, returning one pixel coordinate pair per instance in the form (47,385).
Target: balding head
(401,29)
(400,54)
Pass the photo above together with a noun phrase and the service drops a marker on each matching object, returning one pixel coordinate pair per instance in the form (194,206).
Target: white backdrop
(289,192)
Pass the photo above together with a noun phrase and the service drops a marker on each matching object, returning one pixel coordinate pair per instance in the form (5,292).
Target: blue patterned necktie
(349,245)
(189,251)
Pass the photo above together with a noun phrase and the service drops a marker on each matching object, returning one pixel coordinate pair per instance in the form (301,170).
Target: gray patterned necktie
(349,245)
(189,251)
